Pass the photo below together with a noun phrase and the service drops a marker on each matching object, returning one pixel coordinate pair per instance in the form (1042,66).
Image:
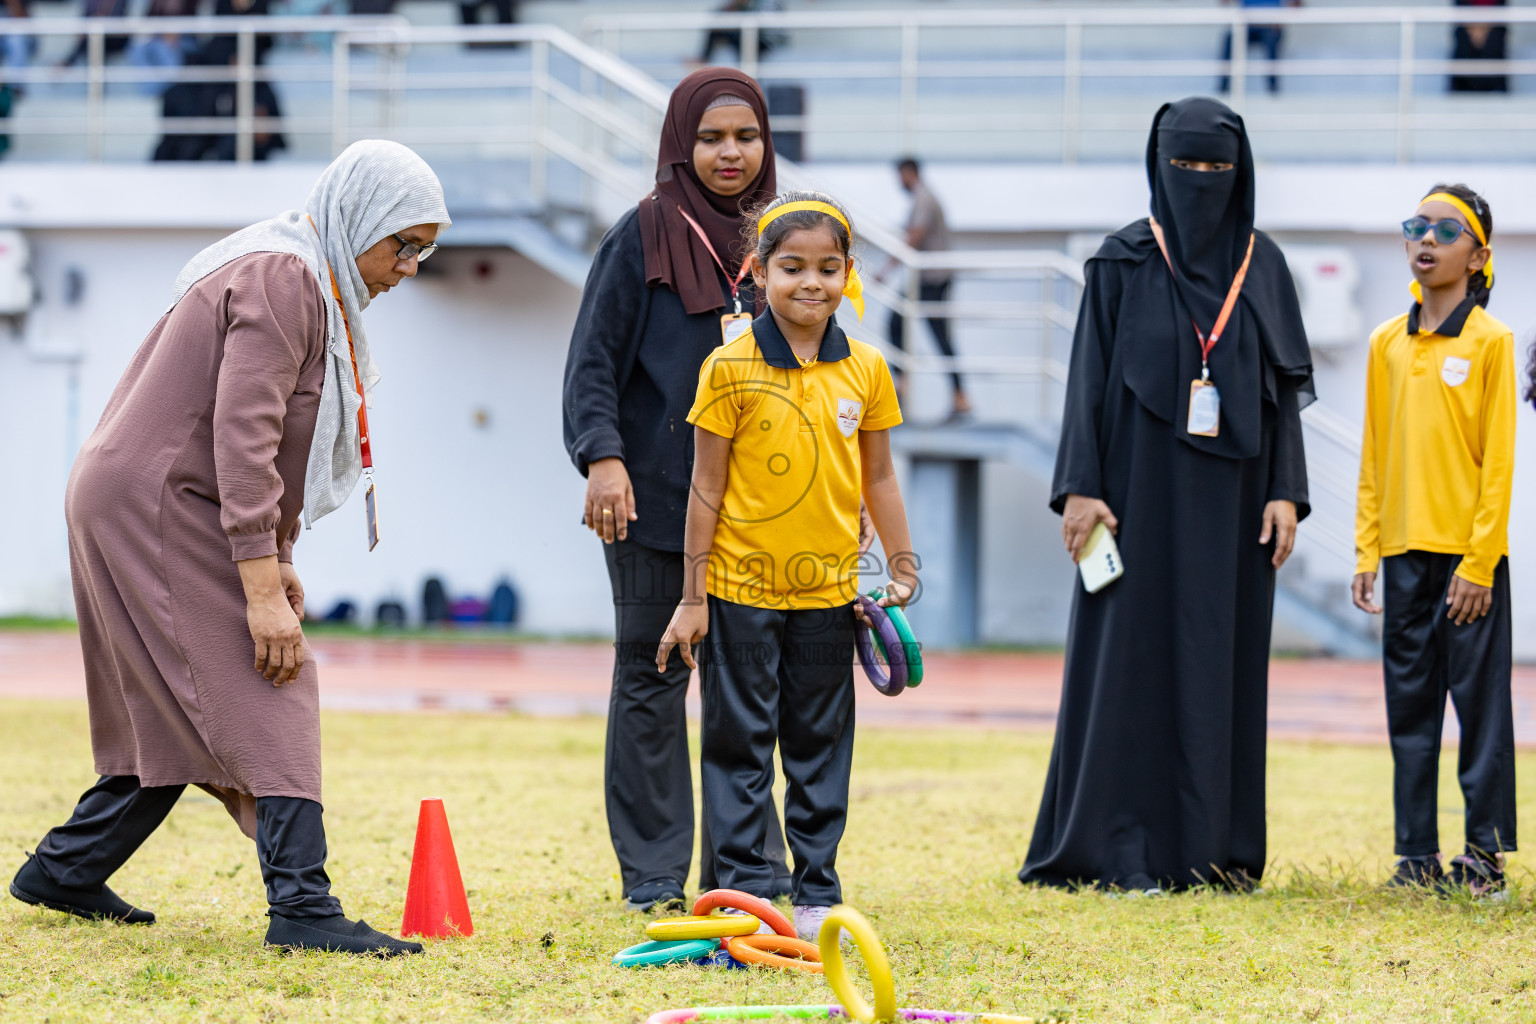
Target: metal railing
(1072,71)
(582,125)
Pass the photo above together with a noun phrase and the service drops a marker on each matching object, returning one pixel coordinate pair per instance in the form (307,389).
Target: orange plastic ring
(776,951)
(736,899)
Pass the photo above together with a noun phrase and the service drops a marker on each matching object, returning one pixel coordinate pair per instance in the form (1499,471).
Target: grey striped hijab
(372,190)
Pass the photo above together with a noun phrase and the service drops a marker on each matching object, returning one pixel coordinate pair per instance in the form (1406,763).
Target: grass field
(939,822)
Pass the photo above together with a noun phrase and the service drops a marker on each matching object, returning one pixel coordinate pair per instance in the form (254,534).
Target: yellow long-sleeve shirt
(1438,457)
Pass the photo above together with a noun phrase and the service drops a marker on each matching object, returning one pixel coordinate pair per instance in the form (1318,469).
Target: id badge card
(371,506)
(1204,408)
(733,326)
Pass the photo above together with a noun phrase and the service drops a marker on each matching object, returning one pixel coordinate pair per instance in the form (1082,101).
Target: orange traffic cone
(435,904)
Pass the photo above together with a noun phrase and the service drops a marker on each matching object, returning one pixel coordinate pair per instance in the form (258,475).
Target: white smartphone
(1100,564)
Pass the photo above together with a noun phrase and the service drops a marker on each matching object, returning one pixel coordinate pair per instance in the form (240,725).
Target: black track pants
(115,816)
(111,821)
(1426,656)
(782,677)
(647,770)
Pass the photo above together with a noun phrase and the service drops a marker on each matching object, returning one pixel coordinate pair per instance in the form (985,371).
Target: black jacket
(630,379)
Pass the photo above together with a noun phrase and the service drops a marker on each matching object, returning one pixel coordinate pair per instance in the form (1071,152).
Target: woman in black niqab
(1156,779)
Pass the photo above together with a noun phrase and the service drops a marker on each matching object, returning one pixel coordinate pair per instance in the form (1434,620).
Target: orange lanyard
(746,264)
(1208,343)
(357,380)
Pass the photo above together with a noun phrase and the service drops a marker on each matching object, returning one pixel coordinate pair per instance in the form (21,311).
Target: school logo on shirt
(849,413)
(1454,370)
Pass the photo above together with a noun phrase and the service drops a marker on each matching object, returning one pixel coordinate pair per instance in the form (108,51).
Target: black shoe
(1416,872)
(658,894)
(1477,874)
(34,887)
(335,934)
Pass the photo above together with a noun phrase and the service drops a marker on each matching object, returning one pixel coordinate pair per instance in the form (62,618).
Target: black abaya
(1157,774)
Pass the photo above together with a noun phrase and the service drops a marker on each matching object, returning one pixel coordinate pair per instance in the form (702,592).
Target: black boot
(290,844)
(98,903)
(335,934)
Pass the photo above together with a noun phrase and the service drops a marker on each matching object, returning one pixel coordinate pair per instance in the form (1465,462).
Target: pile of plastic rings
(892,634)
(711,938)
(852,1004)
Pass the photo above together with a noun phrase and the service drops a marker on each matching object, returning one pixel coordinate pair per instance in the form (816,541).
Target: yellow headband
(1473,221)
(853,287)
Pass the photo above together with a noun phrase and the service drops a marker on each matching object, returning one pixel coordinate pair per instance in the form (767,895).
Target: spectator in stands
(165,49)
(1181,434)
(767,39)
(113,44)
(17,51)
(651,313)
(1267,36)
(219,99)
(1480,41)
(927,231)
(505,11)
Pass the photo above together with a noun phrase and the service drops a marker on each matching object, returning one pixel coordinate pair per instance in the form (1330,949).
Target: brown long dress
(197,462)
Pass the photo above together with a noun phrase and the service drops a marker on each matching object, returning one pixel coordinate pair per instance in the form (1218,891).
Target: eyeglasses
(1446,231)
(410,250)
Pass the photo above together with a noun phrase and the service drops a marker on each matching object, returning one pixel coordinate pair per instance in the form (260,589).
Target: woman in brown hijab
(662,284)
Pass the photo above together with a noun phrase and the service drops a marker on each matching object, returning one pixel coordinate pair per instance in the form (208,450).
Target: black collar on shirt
(776,351)
(1453,323)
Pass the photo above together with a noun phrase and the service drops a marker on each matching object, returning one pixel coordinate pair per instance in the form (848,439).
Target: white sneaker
(808,922)
(762,927)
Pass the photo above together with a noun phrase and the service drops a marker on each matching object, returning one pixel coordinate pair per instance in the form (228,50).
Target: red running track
(1309,698)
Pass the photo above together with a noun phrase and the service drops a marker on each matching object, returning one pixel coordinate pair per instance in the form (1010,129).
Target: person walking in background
(927,231)
(242,413)
(1267,36)
(792,403)
(1436,471)
(1182,435)
(663,293)
(730,38)
(1480,41)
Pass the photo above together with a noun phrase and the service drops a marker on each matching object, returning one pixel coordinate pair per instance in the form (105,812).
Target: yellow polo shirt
(1438,457)
(788,535)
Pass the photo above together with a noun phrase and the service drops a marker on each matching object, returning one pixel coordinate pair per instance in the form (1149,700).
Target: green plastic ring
(651,954)
(908,639)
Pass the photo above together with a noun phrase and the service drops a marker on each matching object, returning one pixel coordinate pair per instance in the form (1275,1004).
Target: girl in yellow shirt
(791,428)
(1436,470)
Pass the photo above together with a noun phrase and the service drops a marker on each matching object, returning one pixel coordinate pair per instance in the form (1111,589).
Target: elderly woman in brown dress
(241,414)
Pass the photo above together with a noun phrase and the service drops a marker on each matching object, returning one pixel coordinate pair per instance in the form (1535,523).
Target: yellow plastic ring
(714,926)
(875,962)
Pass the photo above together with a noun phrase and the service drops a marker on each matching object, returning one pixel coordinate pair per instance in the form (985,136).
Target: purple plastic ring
(895,681)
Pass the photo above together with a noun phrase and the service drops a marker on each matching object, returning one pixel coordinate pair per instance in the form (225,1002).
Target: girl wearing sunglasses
(1436,467)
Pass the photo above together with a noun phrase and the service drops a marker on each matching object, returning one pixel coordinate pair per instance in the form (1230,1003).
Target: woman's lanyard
(1204,399)
(1208,343)
(370,501)
(732,325)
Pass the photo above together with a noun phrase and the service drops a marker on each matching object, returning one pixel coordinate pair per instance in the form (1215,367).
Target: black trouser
(647,771)
(785,677)
(1267,36)
(115,816)
(731,38)
(926,292)
(1425,656)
